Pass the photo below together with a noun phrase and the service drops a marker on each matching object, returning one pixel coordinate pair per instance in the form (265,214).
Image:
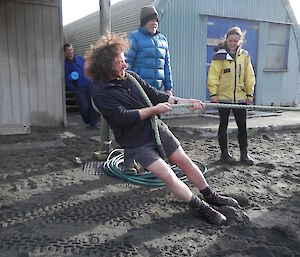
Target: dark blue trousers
(83,99)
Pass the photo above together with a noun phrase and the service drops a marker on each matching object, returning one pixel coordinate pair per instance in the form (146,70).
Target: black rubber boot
(226,157)
(207,212)
(245,158)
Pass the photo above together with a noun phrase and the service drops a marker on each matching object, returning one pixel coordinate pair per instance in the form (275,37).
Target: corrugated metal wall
(279,88)
(125,17)
(266,10)
(272,87)
(185,30)
(31,63)
(184,22)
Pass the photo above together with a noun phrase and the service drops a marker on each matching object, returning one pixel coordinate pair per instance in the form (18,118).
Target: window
(278,45)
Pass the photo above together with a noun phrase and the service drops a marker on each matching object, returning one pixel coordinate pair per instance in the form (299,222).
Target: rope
(115,160)
(240,106)
(153,119)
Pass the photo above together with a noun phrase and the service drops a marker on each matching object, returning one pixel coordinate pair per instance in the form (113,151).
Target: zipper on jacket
(240,70)
(155,77)
(234,91)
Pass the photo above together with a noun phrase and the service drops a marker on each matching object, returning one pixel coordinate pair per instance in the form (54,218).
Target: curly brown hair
(99,58)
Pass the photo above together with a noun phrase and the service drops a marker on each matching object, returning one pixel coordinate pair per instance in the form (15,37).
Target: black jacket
(119,103)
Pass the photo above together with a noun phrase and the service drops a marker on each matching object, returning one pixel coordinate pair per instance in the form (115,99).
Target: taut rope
(252,107)
(240,106)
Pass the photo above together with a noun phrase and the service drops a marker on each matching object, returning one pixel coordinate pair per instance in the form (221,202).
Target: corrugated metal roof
(125,17)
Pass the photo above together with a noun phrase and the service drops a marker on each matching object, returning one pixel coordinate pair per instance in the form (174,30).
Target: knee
(169,179)
(184,162)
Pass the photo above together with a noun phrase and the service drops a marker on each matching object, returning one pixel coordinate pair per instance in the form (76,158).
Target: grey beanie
(148,12)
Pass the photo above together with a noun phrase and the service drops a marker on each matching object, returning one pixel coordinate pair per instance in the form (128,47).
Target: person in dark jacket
(77,82)
(122,99)
(149,52)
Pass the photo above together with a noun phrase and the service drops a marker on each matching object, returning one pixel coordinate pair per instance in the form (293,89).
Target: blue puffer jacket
(149,57)
(76,65)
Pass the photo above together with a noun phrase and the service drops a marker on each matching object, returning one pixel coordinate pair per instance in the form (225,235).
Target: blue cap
(74,75)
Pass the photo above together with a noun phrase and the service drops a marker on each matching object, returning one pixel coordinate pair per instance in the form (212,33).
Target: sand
(50,207)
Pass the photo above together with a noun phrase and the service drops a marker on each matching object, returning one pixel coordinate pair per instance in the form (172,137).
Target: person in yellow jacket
(231,79)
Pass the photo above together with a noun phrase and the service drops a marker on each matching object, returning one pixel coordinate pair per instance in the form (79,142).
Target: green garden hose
(113,167)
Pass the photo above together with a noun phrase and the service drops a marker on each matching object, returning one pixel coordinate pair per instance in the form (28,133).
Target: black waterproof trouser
(83,99)
(240,116)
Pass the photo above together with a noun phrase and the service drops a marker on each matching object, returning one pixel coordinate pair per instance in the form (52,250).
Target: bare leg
(195,175)
(163,171)
(191,170)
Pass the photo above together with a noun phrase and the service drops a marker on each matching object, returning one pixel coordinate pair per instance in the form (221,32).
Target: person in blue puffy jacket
(149,54)
(149,57)
(77,82)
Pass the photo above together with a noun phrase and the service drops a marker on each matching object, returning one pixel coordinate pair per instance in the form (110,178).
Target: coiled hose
(113,167)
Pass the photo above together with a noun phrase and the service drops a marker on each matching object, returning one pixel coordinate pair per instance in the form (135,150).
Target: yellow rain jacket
(231,80)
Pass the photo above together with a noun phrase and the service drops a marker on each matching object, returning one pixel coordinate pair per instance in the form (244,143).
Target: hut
(31,68)
(195,27)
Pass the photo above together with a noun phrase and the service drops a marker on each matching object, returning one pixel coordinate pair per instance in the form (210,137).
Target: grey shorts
(148,154)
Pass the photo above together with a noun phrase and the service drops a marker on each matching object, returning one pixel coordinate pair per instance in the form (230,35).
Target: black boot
(212,197)
(206,211)
(219,200)
(226,157)
(243,141)
(245,158)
